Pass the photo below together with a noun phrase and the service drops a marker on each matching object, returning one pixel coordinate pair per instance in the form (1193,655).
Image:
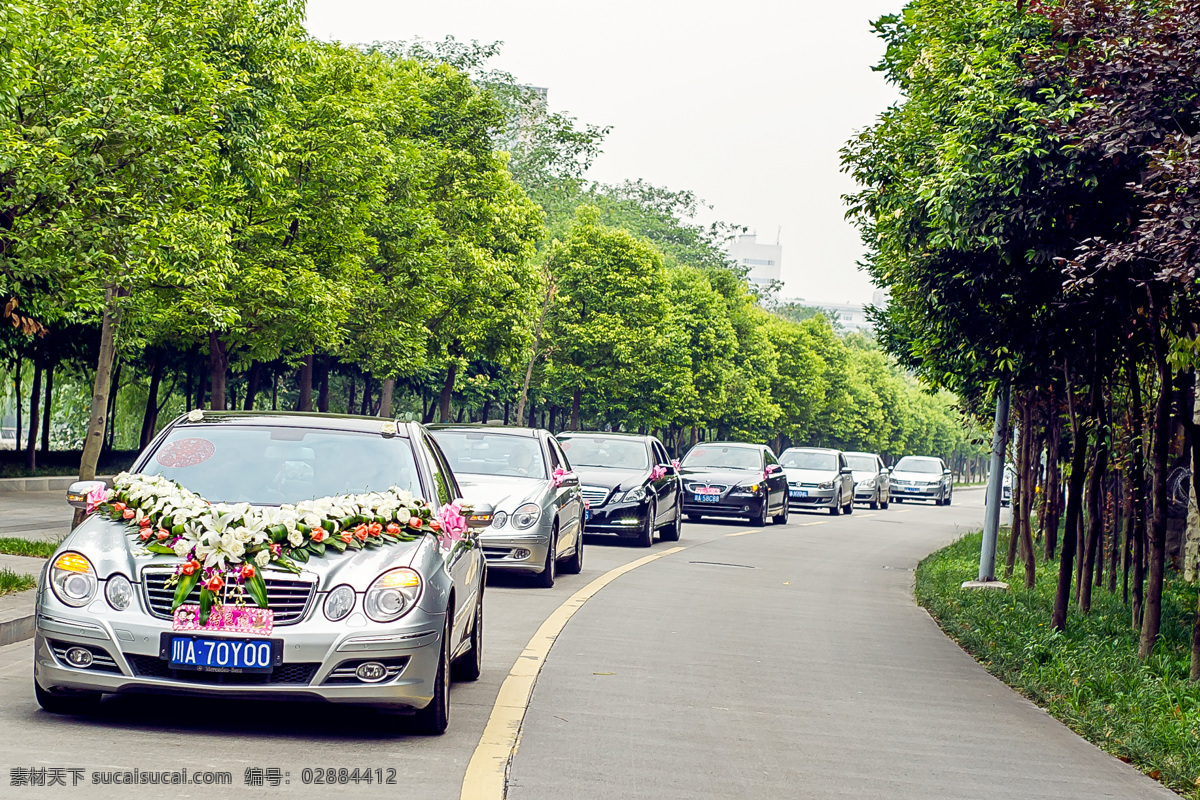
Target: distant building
(762,260)
(851,316)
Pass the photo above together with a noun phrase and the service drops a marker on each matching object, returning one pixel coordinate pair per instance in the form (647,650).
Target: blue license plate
(799,493)
(223,655)
(587,515)
(707,498)
(911,489)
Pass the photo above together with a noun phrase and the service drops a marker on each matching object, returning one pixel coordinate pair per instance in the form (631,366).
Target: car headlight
(339,603)
(526,516)
(392,594)
(868,483)
(825,485)
(498,519)
(750,487)
(634,495)
(118,591)
(73,579)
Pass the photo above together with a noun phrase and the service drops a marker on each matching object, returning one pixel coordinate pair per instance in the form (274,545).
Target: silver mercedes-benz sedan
(270,556)
(525,476)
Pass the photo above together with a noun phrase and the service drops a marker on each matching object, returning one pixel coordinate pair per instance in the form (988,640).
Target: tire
(874,504)
(836,508)
(646,534)
(672,532)
(469,665)
(883,504)
(948,498)
(433,719)
(897,499)
(72,703)
(937,501)
(782,518)
(574,564)
(545,578)
(694,518)
(761,520)
(849,509)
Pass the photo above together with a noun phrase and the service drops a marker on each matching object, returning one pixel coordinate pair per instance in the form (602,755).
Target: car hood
(503,492)
(111,549)
(897,475)
(863,474)
(722,476)
(611,477)
(810,475)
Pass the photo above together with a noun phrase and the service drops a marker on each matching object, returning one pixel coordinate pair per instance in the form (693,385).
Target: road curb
(45,484)
(17,617)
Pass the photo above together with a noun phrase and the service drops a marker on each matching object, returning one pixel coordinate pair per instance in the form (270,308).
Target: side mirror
(947,472)
(570,479)
(847,471)
(481,516)
(890,469)
(773,468)
(77,493)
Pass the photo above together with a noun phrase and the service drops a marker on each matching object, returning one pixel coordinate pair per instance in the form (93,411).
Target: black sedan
(731,479)
(629,484)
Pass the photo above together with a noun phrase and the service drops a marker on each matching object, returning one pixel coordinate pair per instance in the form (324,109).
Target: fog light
(80,657)
(371,672)
(519,553)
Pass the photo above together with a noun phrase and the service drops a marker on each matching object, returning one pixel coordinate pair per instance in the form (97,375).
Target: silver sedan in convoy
(380,626)
(818,477)
(922,478)
(871,479)
(525,476)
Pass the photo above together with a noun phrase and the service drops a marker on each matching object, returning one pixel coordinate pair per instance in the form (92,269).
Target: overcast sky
(745,103)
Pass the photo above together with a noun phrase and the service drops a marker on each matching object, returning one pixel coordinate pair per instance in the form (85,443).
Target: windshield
(268,465)
(485,453)
(604,451)
(861,463)
(802,459)
(726,457)
(911,464)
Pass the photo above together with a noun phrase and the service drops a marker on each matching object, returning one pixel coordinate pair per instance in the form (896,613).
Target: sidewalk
(42,515)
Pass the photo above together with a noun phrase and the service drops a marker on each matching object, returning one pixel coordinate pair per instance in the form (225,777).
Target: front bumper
(512,551)
(731,504)
(319,658)
(866,494)
(623,519)
(813,497)
(917,493)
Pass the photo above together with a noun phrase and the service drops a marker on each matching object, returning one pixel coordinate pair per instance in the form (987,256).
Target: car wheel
(883,501)
(874,504)
(67,703)
(948,497)
(849,506)
(761,519)
(937,501)
(646,534)
(433,719)
(836,508)
(470,664)
(782,517)
(574,564)
(671,532)
(897,499)
(693,518)
(545,578)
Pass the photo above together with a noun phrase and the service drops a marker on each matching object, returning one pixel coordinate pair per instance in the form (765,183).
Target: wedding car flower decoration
(559,476)
(658,472)
(451,524)
(225,546)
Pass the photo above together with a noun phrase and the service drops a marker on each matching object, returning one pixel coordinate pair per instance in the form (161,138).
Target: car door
(847,480)
(463,562)
(776,478)
(666,487)
(883,480)
(568,498)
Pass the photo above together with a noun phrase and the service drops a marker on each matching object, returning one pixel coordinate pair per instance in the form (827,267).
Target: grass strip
(13,546)
(11,582)
(1089,677)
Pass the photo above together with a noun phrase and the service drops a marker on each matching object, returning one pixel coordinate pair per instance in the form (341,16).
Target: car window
(863,463)
(552,454)
(727,456)
(770,457)
(271,465)
(918,464)
(491,453)
(660,453)
(809,459)
(557,452)
(441,476)
(606,451)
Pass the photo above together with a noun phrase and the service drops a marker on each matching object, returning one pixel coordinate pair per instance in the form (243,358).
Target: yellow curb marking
(819,522)
(867,516)
(488,769)
(740,533)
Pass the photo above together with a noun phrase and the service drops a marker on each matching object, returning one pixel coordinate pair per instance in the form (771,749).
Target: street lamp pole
(995,487)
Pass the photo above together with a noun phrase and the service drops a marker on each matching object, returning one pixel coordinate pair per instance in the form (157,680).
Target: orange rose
(127,513)
(144,535)
(435,525)
(190,568)
(319,535)
(144,522)
(247,571)
(214,583)
(374,529)
(347,537)
(393,529)
(119,506)
(162,534)
(414,522)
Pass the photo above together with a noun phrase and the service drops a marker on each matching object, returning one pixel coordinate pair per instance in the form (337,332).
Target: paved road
(35,515)
(788,662)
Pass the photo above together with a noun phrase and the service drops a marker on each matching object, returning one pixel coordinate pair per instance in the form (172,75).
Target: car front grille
(595,495)
(297,674)
(289,598)
(696,487)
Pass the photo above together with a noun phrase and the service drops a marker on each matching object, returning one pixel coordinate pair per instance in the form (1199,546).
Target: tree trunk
(1095,504)
(1066,562)
(46,410)
(1053,493)
(447,392)
(94,439)
(252,381)
(150,416)
(537,339)
(201,387)
(1194,673)
(20,403)
(1030,476)
(274,390)
(576,399)
(1152,613)
(1137,475)
(323,386)
(35,397)
(112,404)
(385,398)
(366,398)
(351,395)
(1018,489)
(218,365)
(306,384)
